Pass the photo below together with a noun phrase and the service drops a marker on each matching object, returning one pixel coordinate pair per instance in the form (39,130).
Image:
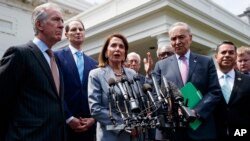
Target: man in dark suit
(31,96)
(233,112)
(199,70)
(81,126)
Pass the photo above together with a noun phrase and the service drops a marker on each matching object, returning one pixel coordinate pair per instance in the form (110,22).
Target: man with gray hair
(31,83)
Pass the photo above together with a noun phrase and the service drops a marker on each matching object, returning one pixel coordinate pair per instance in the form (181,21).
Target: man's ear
(39,25)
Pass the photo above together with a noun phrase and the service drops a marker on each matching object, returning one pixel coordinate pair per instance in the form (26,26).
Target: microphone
(134,89)
(124,81)
(111,83)
(134,106)
(148,89)
(124,93)
(166,86)
(188,114)
(157,88)
(139,87)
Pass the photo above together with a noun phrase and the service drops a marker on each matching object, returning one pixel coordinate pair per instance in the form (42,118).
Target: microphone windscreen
(111,81)
(124,79)
(146,87)
(163,89)
(136,77)
(175,90)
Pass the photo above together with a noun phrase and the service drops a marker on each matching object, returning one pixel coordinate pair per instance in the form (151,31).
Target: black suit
(31,107)
(235,114)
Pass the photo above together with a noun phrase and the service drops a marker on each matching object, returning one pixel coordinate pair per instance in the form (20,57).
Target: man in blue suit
(75,69)
(197,69)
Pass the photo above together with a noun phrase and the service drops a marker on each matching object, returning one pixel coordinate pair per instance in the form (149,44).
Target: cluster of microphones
(148,106)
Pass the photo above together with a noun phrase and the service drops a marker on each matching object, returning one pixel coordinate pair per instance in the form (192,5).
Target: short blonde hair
(243,50)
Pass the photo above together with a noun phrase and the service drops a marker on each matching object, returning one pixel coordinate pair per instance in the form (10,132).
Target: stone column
(162,40)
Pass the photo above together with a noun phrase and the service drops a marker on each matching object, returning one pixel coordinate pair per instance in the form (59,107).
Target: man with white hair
(134,62)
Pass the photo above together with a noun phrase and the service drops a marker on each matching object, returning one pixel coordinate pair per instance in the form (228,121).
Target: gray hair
(40,14)
(163,48)
(136,55)
(180,24)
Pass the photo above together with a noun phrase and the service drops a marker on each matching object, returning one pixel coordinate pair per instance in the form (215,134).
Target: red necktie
(54,69)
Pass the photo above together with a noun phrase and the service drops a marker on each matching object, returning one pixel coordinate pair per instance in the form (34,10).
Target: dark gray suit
(31,107)
(98,92)
(202,74)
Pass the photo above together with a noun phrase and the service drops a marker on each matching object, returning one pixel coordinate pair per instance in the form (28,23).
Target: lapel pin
(239,78)
(195,61)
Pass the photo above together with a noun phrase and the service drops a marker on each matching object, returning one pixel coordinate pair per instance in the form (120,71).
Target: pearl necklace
(118,74)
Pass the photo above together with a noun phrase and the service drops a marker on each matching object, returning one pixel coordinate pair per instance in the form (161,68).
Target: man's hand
(148,63)
(88,122)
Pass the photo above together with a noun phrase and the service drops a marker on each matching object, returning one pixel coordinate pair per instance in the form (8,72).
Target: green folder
(192,97)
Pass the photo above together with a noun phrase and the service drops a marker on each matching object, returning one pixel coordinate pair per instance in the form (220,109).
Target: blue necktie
(80,64)
(226,90)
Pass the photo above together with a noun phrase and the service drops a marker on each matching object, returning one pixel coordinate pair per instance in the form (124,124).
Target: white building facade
(145,23)
(15,18)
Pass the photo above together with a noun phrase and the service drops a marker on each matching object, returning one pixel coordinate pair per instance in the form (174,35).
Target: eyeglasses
(165,54)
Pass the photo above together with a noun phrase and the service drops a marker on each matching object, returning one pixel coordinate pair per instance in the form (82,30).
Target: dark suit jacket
(76,93)
(31,107)
(235,114)
(141,79)
(202,74)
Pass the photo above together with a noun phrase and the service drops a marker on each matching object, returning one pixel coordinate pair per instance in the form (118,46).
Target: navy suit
(235,114)
(203,75)
(76,93)
(31,107)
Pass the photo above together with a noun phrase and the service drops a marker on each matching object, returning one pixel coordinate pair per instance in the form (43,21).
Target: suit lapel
(43,62)
(192,65)
(71,63)
(175,68)
(87,67)
(237,83)
(108,73)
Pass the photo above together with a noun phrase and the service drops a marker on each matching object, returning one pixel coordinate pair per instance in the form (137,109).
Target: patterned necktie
(226,90)
(184,69)
(80,64)
(54,69)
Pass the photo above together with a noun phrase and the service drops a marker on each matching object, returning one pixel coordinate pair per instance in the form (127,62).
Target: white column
(162,40)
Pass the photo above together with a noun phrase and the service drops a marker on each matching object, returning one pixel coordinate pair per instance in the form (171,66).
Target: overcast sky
(234,6)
